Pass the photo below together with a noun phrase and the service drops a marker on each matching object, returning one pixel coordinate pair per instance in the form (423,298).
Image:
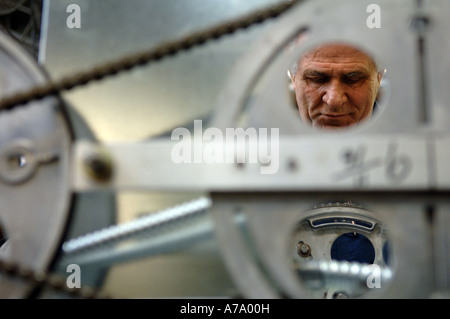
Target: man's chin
(332,127)
(332,123)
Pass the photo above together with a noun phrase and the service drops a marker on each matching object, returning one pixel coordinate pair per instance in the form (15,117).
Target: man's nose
(335,95)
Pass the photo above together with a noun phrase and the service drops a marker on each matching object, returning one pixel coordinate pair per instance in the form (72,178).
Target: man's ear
(292,89)
(291,81)
(380,77)
(291,77)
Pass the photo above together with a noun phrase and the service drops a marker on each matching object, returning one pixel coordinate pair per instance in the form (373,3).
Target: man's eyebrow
(350,73)
(356,73)
(314,73)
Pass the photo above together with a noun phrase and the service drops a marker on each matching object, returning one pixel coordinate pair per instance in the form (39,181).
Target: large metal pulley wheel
(35,140)
(283,243)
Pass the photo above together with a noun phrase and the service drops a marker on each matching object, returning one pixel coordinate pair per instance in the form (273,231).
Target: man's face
(335,86)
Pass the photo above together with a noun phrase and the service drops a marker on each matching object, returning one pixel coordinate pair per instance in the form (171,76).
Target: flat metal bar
(401,162)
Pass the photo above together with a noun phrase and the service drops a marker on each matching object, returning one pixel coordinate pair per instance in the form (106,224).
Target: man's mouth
(334,116)
(333,119)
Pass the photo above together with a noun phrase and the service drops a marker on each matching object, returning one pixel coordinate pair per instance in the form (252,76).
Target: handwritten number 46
(397,167)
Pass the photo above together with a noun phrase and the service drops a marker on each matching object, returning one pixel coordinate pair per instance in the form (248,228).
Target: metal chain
(102,238)
(39,279)
(162,51)
(100,72)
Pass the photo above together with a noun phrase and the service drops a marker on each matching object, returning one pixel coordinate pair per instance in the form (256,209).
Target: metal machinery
(71,165)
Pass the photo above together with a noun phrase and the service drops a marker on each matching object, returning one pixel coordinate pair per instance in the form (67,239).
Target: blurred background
(145,103)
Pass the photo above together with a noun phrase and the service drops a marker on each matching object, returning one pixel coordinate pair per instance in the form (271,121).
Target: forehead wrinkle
(338,54)
(338,69)
(341,68)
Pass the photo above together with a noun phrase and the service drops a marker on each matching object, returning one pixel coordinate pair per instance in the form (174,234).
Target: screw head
(98,165)
(303,249)
(18,162)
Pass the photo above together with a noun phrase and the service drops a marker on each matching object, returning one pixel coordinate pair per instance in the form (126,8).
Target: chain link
(100,72)
(131,61)
(40,279)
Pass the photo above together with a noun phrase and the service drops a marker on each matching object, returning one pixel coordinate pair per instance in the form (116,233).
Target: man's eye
(353,79)
(318,79)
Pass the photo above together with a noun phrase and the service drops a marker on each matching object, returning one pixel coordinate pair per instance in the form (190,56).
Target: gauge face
(353,247)
(333,240)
